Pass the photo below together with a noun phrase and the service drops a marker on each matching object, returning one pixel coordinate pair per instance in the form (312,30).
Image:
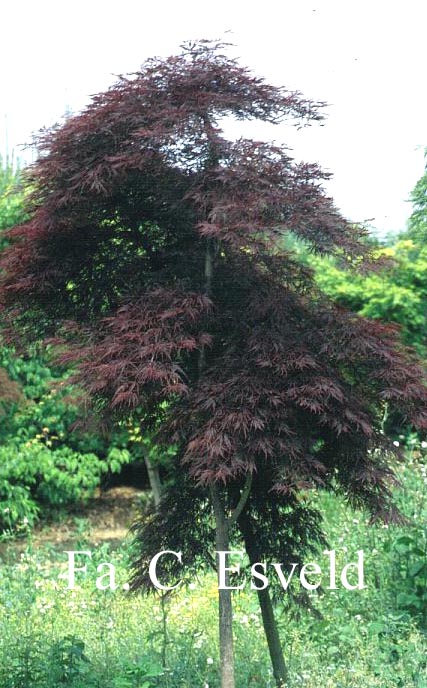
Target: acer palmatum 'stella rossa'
(158,244)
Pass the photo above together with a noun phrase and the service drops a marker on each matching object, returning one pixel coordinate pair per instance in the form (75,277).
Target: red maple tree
(162,242)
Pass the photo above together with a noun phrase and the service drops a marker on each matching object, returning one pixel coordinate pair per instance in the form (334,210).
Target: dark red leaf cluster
(296,397)
(139,354)
(260,190)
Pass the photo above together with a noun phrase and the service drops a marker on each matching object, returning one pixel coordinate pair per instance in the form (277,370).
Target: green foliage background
(12,195)
(44,464)
(395,294)
(417,226)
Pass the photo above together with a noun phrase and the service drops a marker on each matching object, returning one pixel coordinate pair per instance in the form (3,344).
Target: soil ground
(106,517)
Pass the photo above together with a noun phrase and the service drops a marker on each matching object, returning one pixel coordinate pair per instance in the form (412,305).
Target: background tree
(417,225)
(162,241)
(11,195)
(395,294)
(11,213)
(43,465)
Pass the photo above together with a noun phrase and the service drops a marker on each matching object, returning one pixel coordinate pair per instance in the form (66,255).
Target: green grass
(50,636)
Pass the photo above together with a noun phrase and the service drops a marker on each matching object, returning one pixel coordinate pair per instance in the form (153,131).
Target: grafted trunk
(271,631)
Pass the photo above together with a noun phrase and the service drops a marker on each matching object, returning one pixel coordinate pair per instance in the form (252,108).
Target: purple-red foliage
(141,153)
(133,357)
(260,373)
(296,397)
(260,190)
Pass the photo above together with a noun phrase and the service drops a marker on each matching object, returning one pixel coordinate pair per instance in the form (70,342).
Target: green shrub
(34,476)
(396,294)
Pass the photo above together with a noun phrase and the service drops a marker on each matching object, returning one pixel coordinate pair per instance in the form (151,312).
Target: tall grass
(51,636)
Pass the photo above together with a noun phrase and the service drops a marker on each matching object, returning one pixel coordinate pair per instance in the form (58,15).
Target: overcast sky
(366,59)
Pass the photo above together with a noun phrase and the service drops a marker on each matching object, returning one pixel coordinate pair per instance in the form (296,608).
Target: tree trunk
(226,649)
(271,631)
(272,636)
(153,478)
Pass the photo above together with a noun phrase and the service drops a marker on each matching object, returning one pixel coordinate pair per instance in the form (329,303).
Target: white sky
(366,59)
